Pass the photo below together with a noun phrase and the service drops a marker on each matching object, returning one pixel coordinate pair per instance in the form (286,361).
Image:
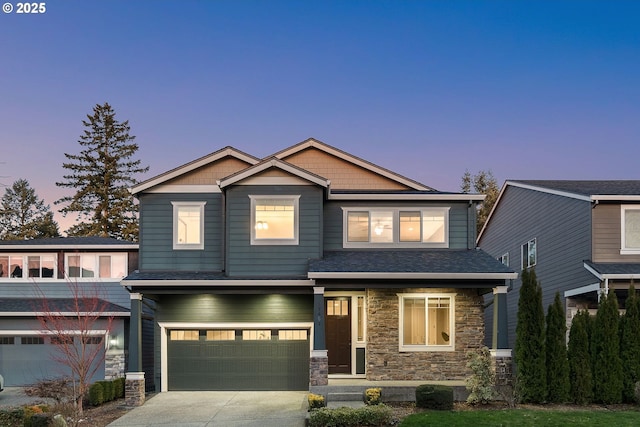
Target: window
(221,335)
(107,266)
(188,225)
(529,254)
(292,335)
(426,322)
(7,340)
(274,220)
(42,266)
(191,335)
(62,340)
(630,222)
(256,335)
(504,259)
(31,340)
(412,227)
(92,340)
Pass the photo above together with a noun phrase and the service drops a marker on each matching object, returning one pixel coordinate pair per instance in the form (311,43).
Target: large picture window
(26,266)
(188,225)
(107,266)
(417,227)
(630,228)
(426,322)
(274,220)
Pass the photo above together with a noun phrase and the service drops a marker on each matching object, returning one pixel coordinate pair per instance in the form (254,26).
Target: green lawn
(523,417)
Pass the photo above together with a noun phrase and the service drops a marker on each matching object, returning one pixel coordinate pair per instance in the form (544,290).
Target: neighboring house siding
(607,237)
(385,362)
(333,220)
(156,230)
(561,227)
(246,260)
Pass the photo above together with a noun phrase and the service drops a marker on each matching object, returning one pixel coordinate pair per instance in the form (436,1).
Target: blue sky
(429,89)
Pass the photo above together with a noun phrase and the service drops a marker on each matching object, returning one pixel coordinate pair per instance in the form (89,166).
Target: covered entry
(255,357)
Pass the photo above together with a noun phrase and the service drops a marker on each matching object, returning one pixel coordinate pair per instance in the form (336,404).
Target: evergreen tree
(630,345)
(23,215)
(580,360)
(605,351)
(530,358)
(556,352)
(101,175)
(483,183)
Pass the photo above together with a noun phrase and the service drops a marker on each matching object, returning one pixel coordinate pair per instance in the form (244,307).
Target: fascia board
(75,248)
(225,182)
(217,283)
(431,197)
(436,276)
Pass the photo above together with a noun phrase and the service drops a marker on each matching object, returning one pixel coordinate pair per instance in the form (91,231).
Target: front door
(338,334)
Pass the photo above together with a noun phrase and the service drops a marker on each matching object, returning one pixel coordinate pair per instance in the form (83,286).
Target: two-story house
(41,276)
(278,273)
(581,237)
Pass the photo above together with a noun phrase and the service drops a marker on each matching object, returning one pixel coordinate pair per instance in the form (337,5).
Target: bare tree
(78,327)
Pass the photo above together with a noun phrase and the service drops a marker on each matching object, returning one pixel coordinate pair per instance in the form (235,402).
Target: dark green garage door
(238,359)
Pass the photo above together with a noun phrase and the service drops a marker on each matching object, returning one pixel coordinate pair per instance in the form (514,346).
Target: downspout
(224,227)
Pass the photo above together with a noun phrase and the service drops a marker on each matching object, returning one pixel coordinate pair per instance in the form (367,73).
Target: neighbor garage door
(238,359)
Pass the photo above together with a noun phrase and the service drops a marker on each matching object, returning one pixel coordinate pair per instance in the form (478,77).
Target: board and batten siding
(607,234)
(333,220)
(156,233)
(246,260)
(562,229)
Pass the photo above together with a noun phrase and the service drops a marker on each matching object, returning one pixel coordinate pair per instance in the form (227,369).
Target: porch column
(319,362)
(134,380)
(502,356)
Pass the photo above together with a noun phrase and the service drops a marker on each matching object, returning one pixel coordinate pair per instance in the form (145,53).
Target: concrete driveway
(219,408)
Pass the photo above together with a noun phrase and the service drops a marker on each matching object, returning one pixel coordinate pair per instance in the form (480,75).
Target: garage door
(238,359)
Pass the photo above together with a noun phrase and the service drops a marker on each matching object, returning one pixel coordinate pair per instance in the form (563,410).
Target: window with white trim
(630,229)
(427,322)
(274,220)
(29,266)
(398,227)
(504,259)
(188,225)
(529,254)
(91,265)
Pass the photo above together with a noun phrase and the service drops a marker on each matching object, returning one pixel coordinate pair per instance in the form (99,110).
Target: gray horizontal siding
(333,220)
(109,291)
(248,260)
(562,227)
(156,234)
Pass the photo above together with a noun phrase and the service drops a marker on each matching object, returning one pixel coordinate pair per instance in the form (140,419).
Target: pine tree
(484,183)
(23,215)
(605,350)
(530,358)
(579,357)
(630,345)
(556,352)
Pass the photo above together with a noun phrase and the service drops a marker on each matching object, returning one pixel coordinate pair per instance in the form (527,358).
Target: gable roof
(319,145)
(585,190)
(273,162)
(195,164)
(87,242)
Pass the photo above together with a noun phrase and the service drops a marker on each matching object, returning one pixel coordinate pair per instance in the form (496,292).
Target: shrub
(315,401)
(373,396)
(377,415)
(108,390)
(580,375)
(34,416)
(556,351)
(118,387)
(605,350)
(96,394)
(482,379)
(11,417)
(438,397)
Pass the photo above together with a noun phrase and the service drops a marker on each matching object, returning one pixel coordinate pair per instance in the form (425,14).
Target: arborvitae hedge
(630,345)
(605,351)
(531,380)
(580,376)
(556,352)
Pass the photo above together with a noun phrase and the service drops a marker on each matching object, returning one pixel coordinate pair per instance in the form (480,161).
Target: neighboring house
(581,237)
(33,270)
(281,272)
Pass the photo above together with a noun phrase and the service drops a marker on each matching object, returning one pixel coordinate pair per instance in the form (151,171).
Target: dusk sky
(428,89)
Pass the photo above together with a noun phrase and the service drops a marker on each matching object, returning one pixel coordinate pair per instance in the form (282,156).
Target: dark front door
(338,334)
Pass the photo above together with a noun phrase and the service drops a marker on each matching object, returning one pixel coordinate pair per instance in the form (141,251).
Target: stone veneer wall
(386,362)
(114,364)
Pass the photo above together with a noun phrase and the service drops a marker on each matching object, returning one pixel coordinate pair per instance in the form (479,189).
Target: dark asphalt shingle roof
(588,188)
(68,241)
(607,268)
(30,305)
(408,261)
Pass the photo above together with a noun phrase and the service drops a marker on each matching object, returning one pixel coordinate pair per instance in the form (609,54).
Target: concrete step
(345,396)
(347,403)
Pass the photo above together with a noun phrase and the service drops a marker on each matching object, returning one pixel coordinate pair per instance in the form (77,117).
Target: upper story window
(529,254)
(411,227)
(274,220)
(111,266)
(427,322)
(25,266)
(504,259)
(188,225)
(630,229)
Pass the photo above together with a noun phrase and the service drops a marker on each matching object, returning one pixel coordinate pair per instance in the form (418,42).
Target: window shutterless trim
(426,347)
(295,240)
(188,246)
(624,250)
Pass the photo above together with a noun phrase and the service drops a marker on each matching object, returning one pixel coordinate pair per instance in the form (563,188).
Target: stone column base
(319,368)
(134,389)
(503,364)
